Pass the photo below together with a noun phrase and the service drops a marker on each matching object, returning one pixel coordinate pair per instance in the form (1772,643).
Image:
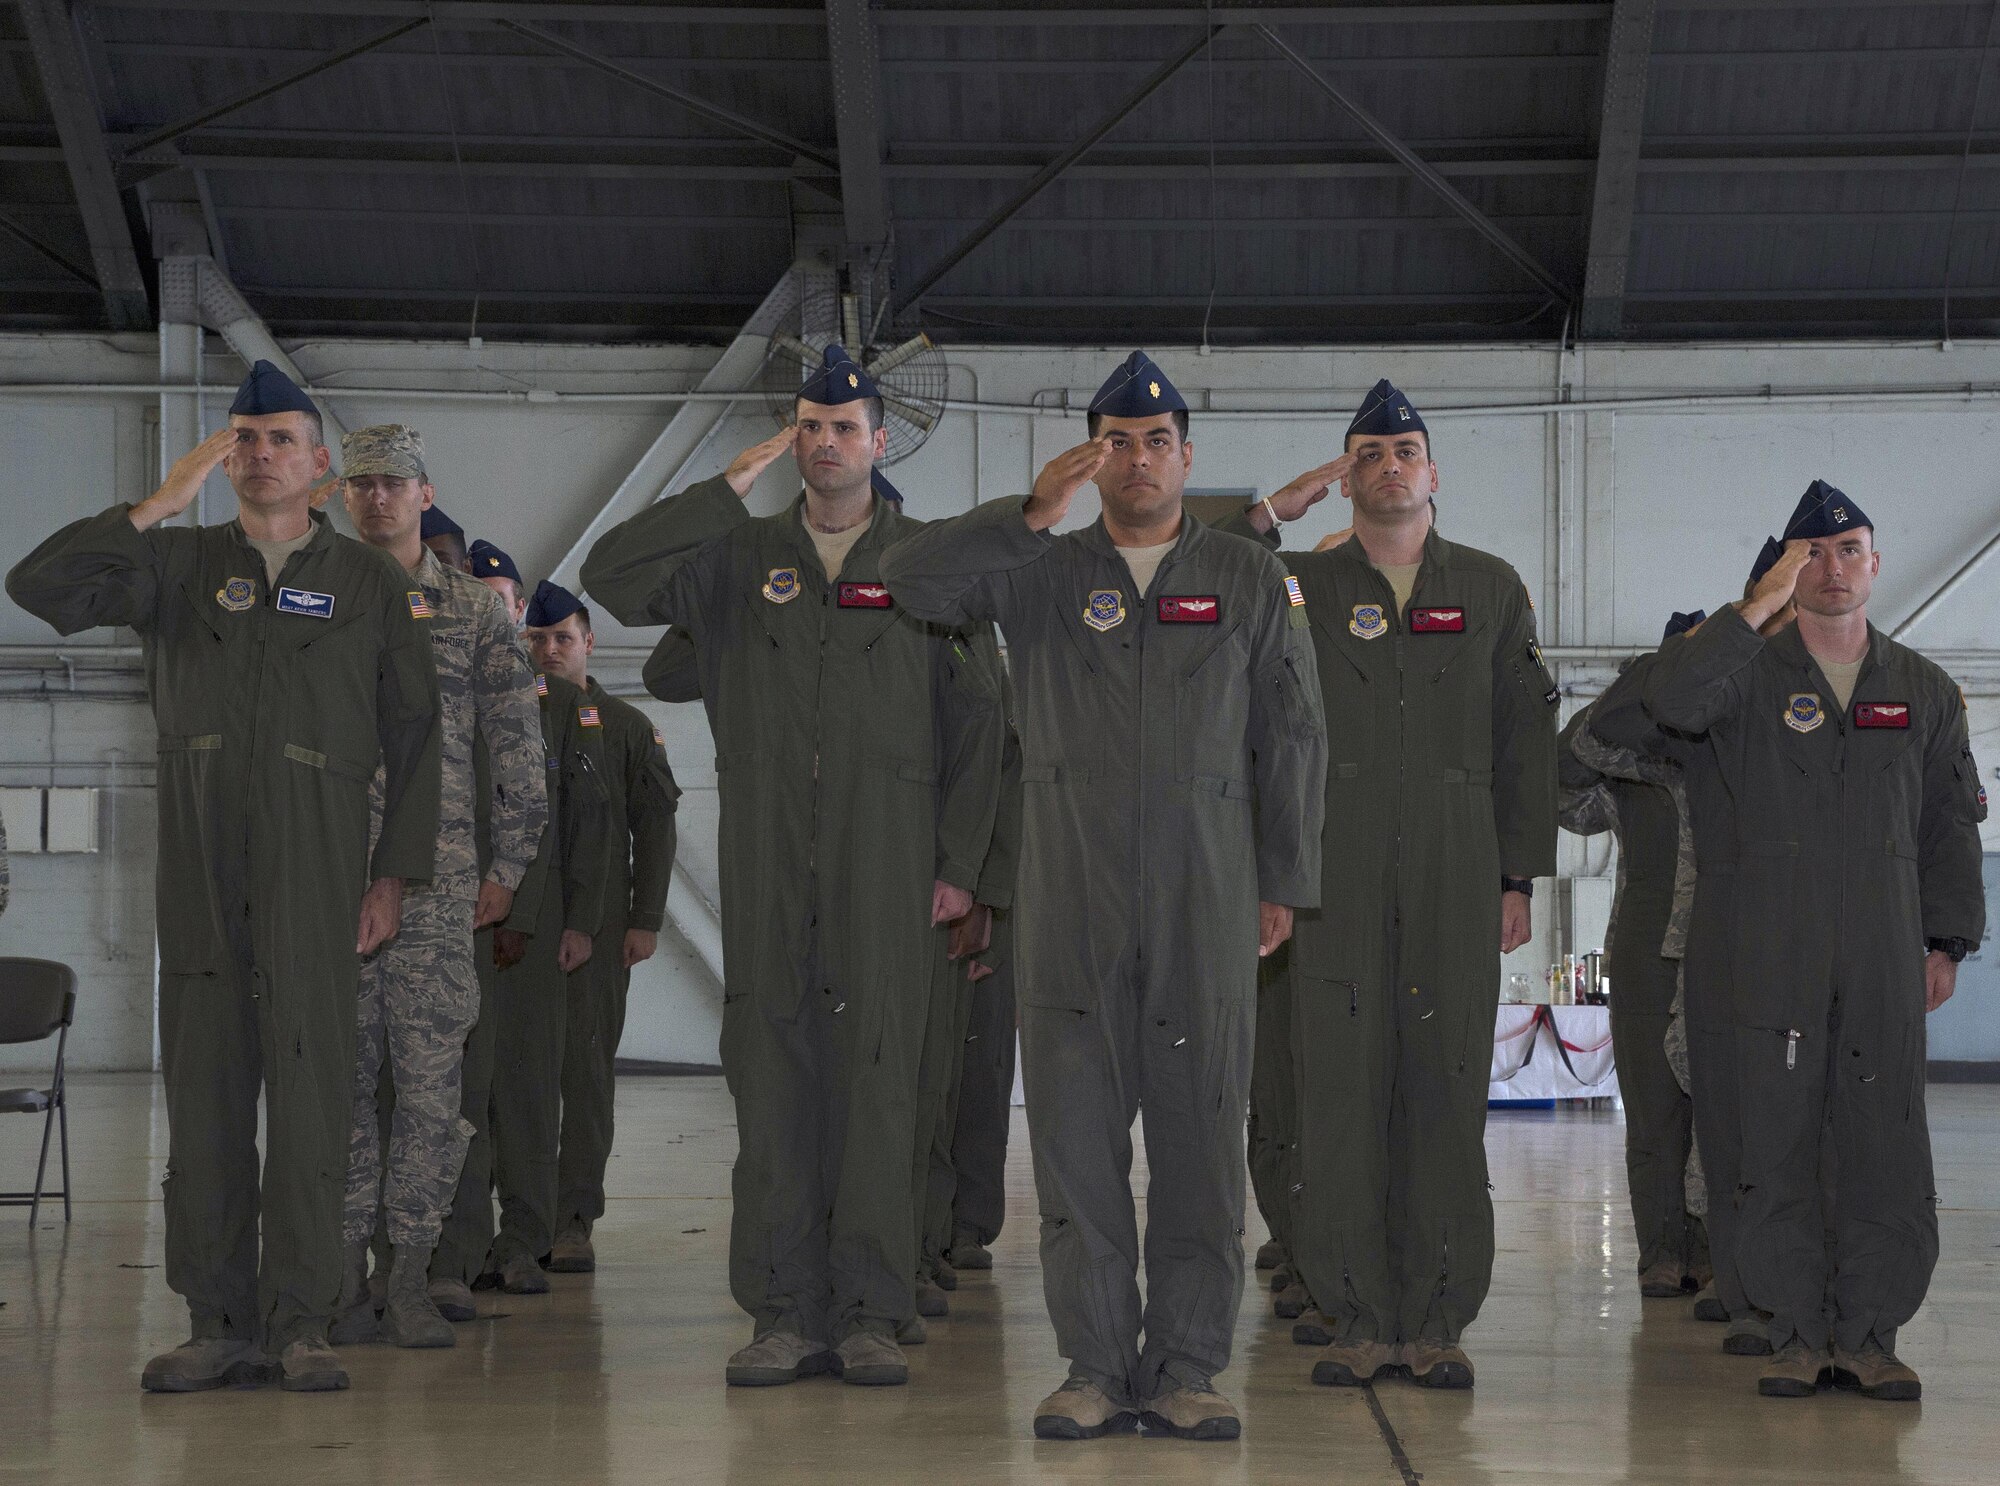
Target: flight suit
(273,705)
(942,1069)
(1857,840)
(830,707)
(1440,777)
(532,998)
(1272,1131)
(1641,799)
(986,1098)
(1172,758)
(643,796)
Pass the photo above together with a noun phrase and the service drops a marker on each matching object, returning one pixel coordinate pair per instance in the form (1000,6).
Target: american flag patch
(588,717)
(420,607)
(541,685)
(1293,593)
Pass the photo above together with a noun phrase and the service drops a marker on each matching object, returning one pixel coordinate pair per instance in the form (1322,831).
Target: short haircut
(1423,433)
(1095,421)
(870,406)
(318,427)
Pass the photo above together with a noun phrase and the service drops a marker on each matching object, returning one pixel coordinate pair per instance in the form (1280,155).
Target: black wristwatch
(1525,886)
(1957,949)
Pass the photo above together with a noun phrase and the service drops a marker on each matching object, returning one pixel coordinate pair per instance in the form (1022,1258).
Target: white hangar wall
(1654,499)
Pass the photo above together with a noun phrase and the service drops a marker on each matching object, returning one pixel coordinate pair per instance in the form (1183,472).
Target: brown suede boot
(1875,1372)
(1353,1363)
(1794,1371)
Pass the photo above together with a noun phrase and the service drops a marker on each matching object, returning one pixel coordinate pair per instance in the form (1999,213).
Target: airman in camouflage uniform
(419,996)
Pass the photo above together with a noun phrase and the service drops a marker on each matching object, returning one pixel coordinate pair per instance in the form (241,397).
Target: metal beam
(258,95)
(1487,228)
(72,104)
(665,464)
(663,12)
(854,55)
(47,250)
(1627,55)
(713,112)
(1041,178)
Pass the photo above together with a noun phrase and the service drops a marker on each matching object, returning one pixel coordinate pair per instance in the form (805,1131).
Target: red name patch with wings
(865,596)
(1199,608)
(1437,621)
(1881,714)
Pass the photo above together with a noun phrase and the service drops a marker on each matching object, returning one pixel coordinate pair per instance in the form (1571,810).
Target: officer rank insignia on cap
(782,586)
(1197,608)
(1437,621)
(1294,594)
(588,717)
(1369,622)
(236,595)
(541,685)
(1803,712)
(420,607)
(1882,714)
(1104,609)
(865,596)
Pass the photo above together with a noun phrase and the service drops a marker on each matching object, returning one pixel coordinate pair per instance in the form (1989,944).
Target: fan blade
(909,412)
(895,356)
(797,349)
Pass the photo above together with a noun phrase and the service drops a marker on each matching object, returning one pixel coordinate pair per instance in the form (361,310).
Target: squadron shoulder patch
(420,607)
(865,596)
(1437,621)
(782,585)
(1803,712)
(1204,608)
(236,595)
(1370,622)
(588,717)
(1104,609)
(305,601)
(1882,714)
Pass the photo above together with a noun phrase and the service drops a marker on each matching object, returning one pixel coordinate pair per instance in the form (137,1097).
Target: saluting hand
(1774,589)
(1056,486)
(1274,927)
(1301,495)
(184,480)
(746,467)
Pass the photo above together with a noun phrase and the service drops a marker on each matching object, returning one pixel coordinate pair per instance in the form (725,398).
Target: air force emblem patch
(1369,622)
(305,601)
(236,595)
(1104,609)
(782,586)
(1803,712)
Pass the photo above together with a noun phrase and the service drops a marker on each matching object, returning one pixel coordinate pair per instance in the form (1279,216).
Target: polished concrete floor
(617,1376)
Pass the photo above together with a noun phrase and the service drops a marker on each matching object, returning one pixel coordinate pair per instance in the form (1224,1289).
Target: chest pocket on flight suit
(1208,737)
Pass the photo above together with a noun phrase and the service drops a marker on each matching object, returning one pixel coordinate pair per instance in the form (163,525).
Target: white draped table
(1552,1052)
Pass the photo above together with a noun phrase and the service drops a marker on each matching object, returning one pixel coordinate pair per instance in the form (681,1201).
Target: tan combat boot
(1748,1335)
(870,1360)
(1311,1329)
(1080,1410)
(1794,1371)
(1192,1411)
(309,1365)
(1665,1280)
(1437,1364)
(1353,1363)
(1708,1305)
(204,1362)
(778,1357)
(411,1319)
(1270,1254)
(1291,1302)
(1875,1372)
(572,1252)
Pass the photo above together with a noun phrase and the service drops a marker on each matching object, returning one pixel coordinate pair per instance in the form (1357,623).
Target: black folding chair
(37,1001)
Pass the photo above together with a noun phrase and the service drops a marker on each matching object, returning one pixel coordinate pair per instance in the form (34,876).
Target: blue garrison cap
(840,379)
(551,605)
(884,489)
(1824,512)
(1386,411)
(1767,558)
(488,561)
(1137,389)
(268,390)
(437,524)
(1680,624)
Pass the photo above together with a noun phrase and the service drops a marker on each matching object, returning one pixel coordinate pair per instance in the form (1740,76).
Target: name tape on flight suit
(1882,714)
(588,717)
(305,601)
(1199,608)
(1803,712)
(1437,621)
(236,595)
(865,596)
